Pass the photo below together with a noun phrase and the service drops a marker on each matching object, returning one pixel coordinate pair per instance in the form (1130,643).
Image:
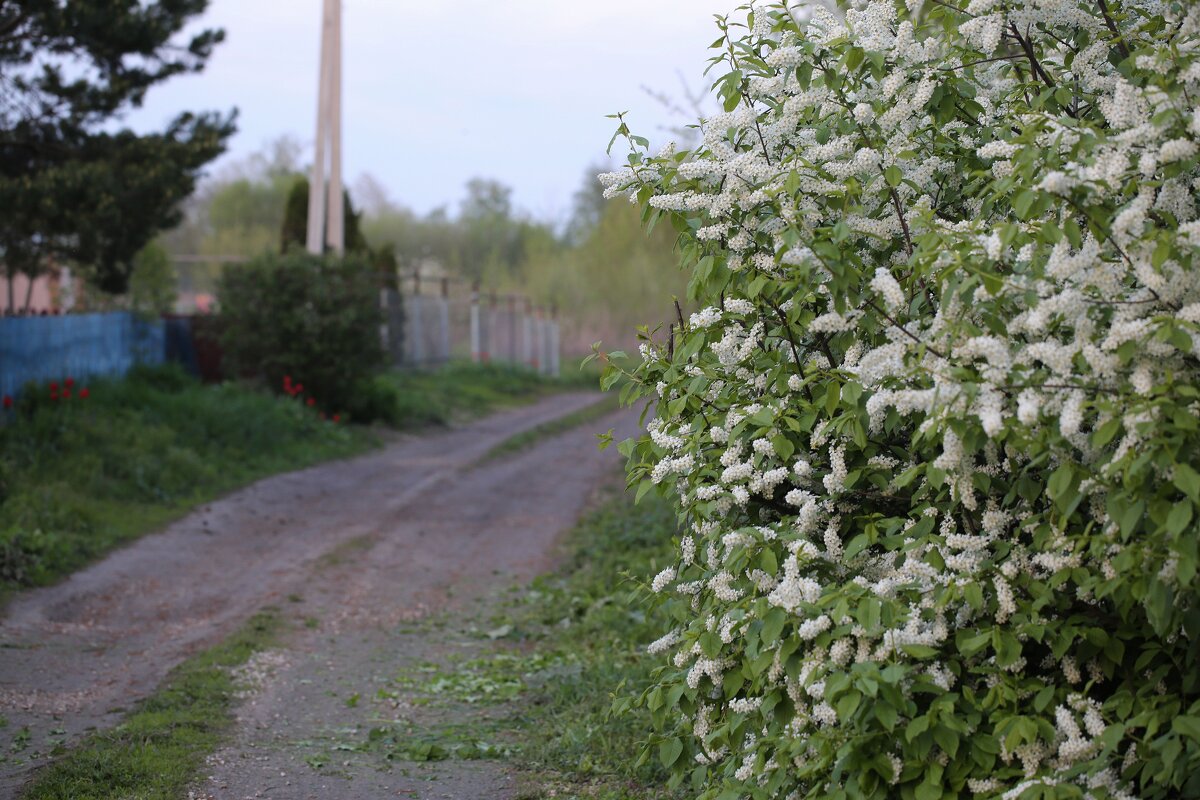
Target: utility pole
(326,213)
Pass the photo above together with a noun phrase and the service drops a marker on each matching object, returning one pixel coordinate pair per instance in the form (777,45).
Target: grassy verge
(159,748)
(528,438)
(82,476)
(593,617)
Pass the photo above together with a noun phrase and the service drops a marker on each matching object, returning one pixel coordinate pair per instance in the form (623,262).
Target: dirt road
(358,546)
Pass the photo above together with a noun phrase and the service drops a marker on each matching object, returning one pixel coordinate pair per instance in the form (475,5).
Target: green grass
(526,439)
(79,478)
(593,615)
(461,390)
(156,752)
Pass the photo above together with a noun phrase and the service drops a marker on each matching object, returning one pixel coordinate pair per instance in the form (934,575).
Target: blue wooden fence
(76,345)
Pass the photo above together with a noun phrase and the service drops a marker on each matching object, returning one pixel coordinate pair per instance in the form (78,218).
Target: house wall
(47,293)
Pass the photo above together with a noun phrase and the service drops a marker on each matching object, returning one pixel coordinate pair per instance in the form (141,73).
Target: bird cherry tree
(934,436)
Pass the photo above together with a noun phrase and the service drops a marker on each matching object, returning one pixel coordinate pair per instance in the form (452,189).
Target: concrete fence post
(511,325)
(554,346)
(444,322)
(526,334)
(535,362)
(395,321)
(417,350)
(545,342)
(489,339)
(477,354)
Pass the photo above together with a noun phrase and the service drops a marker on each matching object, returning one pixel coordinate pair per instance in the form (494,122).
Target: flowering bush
(935,434)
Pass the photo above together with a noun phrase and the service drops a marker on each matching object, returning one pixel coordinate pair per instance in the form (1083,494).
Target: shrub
(377,399)
(935,434)
(310,318)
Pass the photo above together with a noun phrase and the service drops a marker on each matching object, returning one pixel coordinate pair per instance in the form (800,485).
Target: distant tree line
(598,262)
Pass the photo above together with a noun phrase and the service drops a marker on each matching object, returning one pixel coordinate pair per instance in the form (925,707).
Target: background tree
(295,217)
(152,287)
(294,232)
(72,190)
(490,239)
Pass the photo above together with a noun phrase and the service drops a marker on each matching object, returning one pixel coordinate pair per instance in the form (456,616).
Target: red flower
(53,386)
(83,393)
(310,402)
(337,417)
(299,387)
(69,382)
(54,395)
(66,395)
(8,401)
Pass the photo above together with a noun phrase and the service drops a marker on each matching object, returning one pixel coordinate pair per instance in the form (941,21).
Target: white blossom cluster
(946,371)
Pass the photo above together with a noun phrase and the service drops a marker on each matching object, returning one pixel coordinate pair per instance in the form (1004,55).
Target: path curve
(424,517)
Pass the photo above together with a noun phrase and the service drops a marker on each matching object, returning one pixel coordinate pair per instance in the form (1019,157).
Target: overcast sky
(437,92)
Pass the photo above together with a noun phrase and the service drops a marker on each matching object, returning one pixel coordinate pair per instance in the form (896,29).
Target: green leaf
(1043,698)
(1180,516)
(783,446)
(1162,252)
(1187,726)
(833,394)
(1074,235)
(856,545)
(893,176)
(848,703)
(804,75)
(1007,647)
(946,739)
(763,418)
(916,728)
(1023,202)
(973,594)
(1159,602)
(921,651)
(1187,480)
(1060,482)
(1130,516)
(929,791)
(773,625)
(669,752)
(886,714)
(854,58)
(768,562)
(1105,433)
(870,612)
